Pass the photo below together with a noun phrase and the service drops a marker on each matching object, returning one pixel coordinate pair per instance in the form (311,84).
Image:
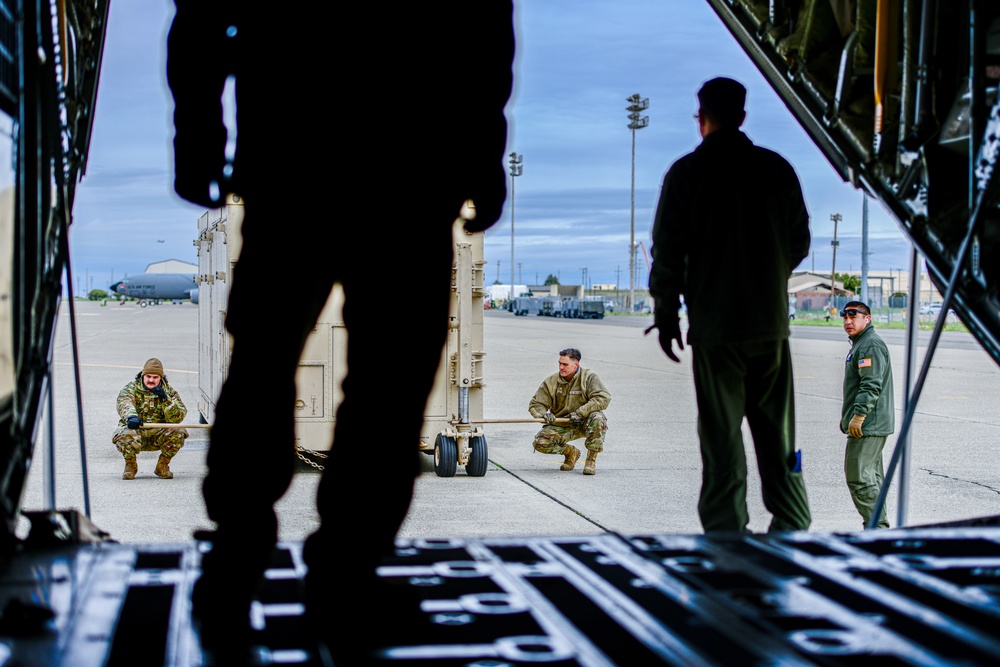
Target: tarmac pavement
(647,479)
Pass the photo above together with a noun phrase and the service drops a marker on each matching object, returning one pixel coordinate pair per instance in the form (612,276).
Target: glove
(549,417)
(133,422)
(854,428)
(670,331)
(575,418)
(160,392)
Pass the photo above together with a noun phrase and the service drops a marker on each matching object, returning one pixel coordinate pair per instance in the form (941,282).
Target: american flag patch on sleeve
(865,363)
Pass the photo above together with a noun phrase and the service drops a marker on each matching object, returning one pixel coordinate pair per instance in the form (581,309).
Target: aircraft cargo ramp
(890,597)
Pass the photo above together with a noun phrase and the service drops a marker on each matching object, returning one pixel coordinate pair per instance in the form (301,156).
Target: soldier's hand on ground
(575,418)
(160,392)
(549,417)
(854,428)
(133,422)
(669,331)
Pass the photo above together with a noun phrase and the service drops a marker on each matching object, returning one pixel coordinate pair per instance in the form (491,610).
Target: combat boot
(572,454)
(131,468)
(163,468)
(590,467)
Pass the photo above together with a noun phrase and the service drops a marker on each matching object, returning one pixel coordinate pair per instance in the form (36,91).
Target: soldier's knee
(597,423)
(547,446)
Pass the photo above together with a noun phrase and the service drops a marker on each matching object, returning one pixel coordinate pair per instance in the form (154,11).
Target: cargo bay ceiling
(901,97)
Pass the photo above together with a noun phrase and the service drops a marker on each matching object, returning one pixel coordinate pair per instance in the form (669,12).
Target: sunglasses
(852,312)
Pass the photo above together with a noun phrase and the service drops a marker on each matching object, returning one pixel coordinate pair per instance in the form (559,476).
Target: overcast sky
(577,63)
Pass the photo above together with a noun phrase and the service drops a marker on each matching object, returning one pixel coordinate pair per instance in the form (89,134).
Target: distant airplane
(150,288)
(160,240)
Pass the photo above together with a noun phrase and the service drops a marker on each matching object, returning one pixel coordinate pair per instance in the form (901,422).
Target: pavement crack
(957,479)
(552,498)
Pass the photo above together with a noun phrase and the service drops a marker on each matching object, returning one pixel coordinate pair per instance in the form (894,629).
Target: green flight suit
(731,213)
(867,391)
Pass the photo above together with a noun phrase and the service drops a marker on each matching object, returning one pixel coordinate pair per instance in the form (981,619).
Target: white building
(172,266)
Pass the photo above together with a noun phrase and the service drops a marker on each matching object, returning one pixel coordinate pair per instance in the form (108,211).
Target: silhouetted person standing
(353,157)
(729,212)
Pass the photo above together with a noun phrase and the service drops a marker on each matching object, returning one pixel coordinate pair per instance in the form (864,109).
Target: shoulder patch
(865,363)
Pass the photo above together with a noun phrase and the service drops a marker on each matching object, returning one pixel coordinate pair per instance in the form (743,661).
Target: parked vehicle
(930,309)
(526,305)
(552,306)
(589,309)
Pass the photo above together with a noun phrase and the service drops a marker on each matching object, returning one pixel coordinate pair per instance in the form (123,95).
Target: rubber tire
(478,457)
(445,456)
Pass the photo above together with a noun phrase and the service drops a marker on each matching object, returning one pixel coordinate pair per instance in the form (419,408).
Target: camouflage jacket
(135,399)
(584,394)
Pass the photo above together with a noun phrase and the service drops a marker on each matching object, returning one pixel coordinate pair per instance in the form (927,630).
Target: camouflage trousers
(553,438)
(131,441)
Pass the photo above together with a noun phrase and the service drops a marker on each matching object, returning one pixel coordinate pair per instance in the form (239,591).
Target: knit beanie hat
(153,367)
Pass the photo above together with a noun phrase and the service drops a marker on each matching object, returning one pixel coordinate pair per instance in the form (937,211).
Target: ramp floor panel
(891,597)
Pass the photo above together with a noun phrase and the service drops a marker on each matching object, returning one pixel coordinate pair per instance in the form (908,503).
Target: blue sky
(577,63)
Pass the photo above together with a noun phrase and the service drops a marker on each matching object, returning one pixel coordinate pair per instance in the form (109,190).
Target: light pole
(836,217)
(636,122)
(515,170)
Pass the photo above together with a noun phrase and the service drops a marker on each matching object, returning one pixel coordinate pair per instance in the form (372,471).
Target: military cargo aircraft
(151,288)
(916,124)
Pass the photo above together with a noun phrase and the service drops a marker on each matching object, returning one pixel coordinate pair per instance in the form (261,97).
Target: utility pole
(515,170)
(636,122)
(836,217)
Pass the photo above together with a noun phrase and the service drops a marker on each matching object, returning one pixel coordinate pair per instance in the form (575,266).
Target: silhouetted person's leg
(771,417)
(718,382)
(251,457)
(397,299)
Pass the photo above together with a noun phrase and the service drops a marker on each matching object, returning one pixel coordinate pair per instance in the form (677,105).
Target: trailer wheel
(445,456)
(478,457)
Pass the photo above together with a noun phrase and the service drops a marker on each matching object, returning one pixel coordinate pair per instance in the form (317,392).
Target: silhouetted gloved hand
(854,428)
(487,198)
(670,330)
(575,418)
(160,392)
(133,422)
(549,417)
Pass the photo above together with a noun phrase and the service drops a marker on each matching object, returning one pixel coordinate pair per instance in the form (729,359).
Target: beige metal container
(455,402)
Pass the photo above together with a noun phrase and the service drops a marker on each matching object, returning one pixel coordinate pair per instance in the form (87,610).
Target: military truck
(590,309)
(526,305)
(552,306)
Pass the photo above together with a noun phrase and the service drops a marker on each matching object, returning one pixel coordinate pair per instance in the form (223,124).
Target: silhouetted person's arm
(197,67)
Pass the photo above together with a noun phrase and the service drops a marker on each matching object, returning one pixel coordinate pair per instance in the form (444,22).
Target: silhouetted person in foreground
(353,163)
(729,210)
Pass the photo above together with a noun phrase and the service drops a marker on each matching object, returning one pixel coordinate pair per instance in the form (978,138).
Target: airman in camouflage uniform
(576,394)
(149,398)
